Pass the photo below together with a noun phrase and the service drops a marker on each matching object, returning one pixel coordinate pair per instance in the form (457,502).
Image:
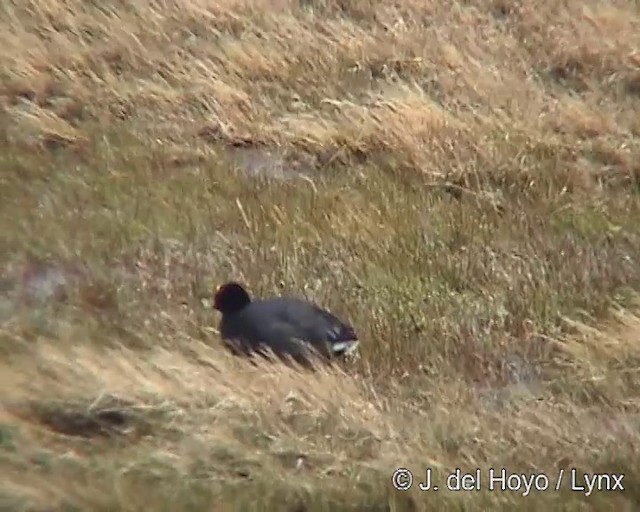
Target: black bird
(290,327)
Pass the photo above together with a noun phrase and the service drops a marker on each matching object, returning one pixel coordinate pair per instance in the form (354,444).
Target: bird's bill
(216,294)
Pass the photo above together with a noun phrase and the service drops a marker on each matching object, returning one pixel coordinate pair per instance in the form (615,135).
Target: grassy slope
(470,183)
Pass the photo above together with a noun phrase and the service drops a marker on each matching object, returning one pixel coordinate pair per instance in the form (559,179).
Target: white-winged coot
(289,326)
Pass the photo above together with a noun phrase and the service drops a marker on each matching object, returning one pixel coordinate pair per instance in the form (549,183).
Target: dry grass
(460,180)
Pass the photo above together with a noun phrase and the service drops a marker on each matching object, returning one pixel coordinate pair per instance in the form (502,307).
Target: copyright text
(506,481)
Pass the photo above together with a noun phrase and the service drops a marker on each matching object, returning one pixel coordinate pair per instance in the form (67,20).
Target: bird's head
(230,297)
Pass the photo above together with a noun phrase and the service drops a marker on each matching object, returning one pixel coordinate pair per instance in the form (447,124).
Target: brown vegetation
(460,180)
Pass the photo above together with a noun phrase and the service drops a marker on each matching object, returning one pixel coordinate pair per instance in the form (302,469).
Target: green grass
(469,202)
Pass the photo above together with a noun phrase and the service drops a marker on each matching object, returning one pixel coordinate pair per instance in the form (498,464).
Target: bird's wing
(284,338)
(341,337)
(283,322)
(324,331)
(335,329)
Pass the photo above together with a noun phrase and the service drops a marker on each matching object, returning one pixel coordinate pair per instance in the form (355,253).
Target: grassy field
(460,180)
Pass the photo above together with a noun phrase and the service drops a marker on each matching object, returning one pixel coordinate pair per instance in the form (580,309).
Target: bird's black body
(288,326)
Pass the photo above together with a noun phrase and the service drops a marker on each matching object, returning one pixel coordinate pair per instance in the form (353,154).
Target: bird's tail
(344,348)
